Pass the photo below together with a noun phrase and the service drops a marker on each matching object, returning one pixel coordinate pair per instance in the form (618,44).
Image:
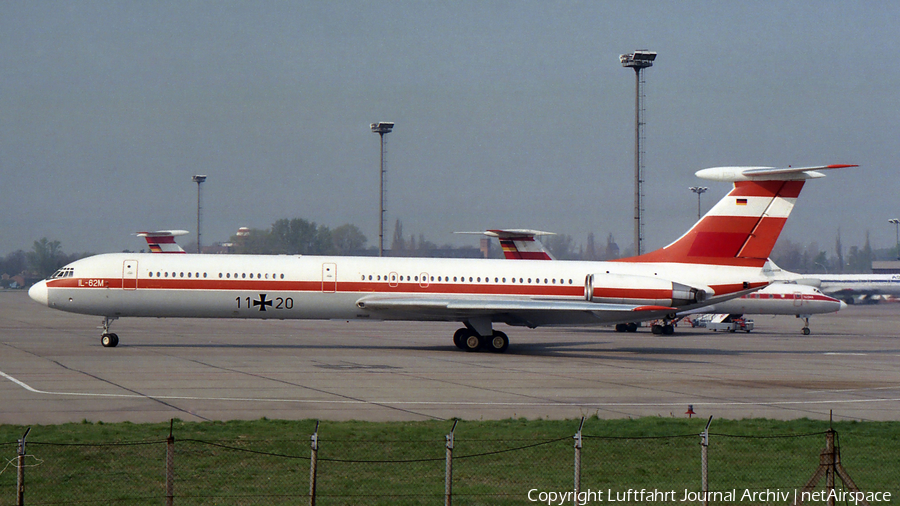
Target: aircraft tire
(656,329)
(805,331)
(621,327)
(471,341)
(459,338)
(499,342)
(109,340)
(631,327)
(668,329)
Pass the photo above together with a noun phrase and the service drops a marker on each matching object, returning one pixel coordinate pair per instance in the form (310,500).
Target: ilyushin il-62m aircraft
(721,257)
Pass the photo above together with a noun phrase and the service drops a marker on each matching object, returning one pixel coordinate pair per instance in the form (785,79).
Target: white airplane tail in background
(163,241)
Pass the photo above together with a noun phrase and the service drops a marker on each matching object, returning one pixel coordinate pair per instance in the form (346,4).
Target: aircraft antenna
(638,60)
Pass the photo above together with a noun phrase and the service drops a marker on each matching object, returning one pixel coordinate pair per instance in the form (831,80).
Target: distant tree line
(301,237)
(45,258)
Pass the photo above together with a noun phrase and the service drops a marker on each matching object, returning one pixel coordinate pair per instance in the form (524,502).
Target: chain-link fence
(584,469)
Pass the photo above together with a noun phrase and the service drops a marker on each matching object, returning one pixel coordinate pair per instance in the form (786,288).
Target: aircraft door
(129,274)
(798,299)
(329,277)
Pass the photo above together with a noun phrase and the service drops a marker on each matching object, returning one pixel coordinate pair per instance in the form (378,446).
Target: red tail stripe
(784,189)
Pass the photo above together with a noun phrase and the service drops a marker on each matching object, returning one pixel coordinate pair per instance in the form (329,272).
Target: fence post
(313,459)
(578,445)
(20,472)
(704,463)
(448,472)
(831,459)
(170,465)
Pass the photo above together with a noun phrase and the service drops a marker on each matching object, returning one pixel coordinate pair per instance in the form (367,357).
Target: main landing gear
(108,339)
(469,340)
(667,327)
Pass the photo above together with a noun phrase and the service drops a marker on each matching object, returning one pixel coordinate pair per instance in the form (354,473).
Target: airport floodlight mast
(699,191)
(198,180)
(638,60)
(381,128)
(896,223)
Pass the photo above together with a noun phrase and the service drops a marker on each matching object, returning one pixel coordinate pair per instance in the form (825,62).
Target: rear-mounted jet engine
(630,289)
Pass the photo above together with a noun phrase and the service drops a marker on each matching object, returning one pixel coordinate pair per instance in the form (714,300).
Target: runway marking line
(446,403)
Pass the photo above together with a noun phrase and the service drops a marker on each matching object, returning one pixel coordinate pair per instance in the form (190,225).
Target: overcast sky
(508,114)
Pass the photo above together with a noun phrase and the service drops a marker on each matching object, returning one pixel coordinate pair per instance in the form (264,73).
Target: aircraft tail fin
(519,243)
(163,241)
(741,229)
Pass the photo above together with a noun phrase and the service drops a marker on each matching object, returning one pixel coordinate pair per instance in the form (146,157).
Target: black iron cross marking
(262,302)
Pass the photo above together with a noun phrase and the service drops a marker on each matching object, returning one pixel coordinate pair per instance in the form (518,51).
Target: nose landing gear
(107,338)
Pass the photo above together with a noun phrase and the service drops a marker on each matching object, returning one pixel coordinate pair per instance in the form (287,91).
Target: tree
(839,251)
(398,245)
(254,242)
(14,263)
(348,238)
(612,249)
(590,251)
(561,246)
(860,260)
(45,257)
(298,236)
(820,262)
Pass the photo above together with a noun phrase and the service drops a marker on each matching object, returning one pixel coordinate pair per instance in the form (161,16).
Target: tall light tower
(896,223)
(699,190)
(638,60)
(198,180)
(381,128)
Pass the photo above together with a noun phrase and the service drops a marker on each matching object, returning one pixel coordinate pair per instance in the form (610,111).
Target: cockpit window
(65,272)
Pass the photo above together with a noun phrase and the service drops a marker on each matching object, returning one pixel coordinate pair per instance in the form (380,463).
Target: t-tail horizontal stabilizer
(163,241)
(519,243)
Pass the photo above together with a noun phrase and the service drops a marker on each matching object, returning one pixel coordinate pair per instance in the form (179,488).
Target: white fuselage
(319,287)
(779,299)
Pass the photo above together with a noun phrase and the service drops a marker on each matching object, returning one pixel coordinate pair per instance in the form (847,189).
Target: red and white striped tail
(742,228)
(521,245)
(163,241)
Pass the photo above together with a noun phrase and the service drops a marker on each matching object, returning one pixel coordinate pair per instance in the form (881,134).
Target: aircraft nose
(38,292)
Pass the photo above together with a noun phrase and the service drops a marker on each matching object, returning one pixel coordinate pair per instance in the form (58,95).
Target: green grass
(495,462)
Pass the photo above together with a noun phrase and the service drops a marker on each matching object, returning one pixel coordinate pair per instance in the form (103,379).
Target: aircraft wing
(514,311)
